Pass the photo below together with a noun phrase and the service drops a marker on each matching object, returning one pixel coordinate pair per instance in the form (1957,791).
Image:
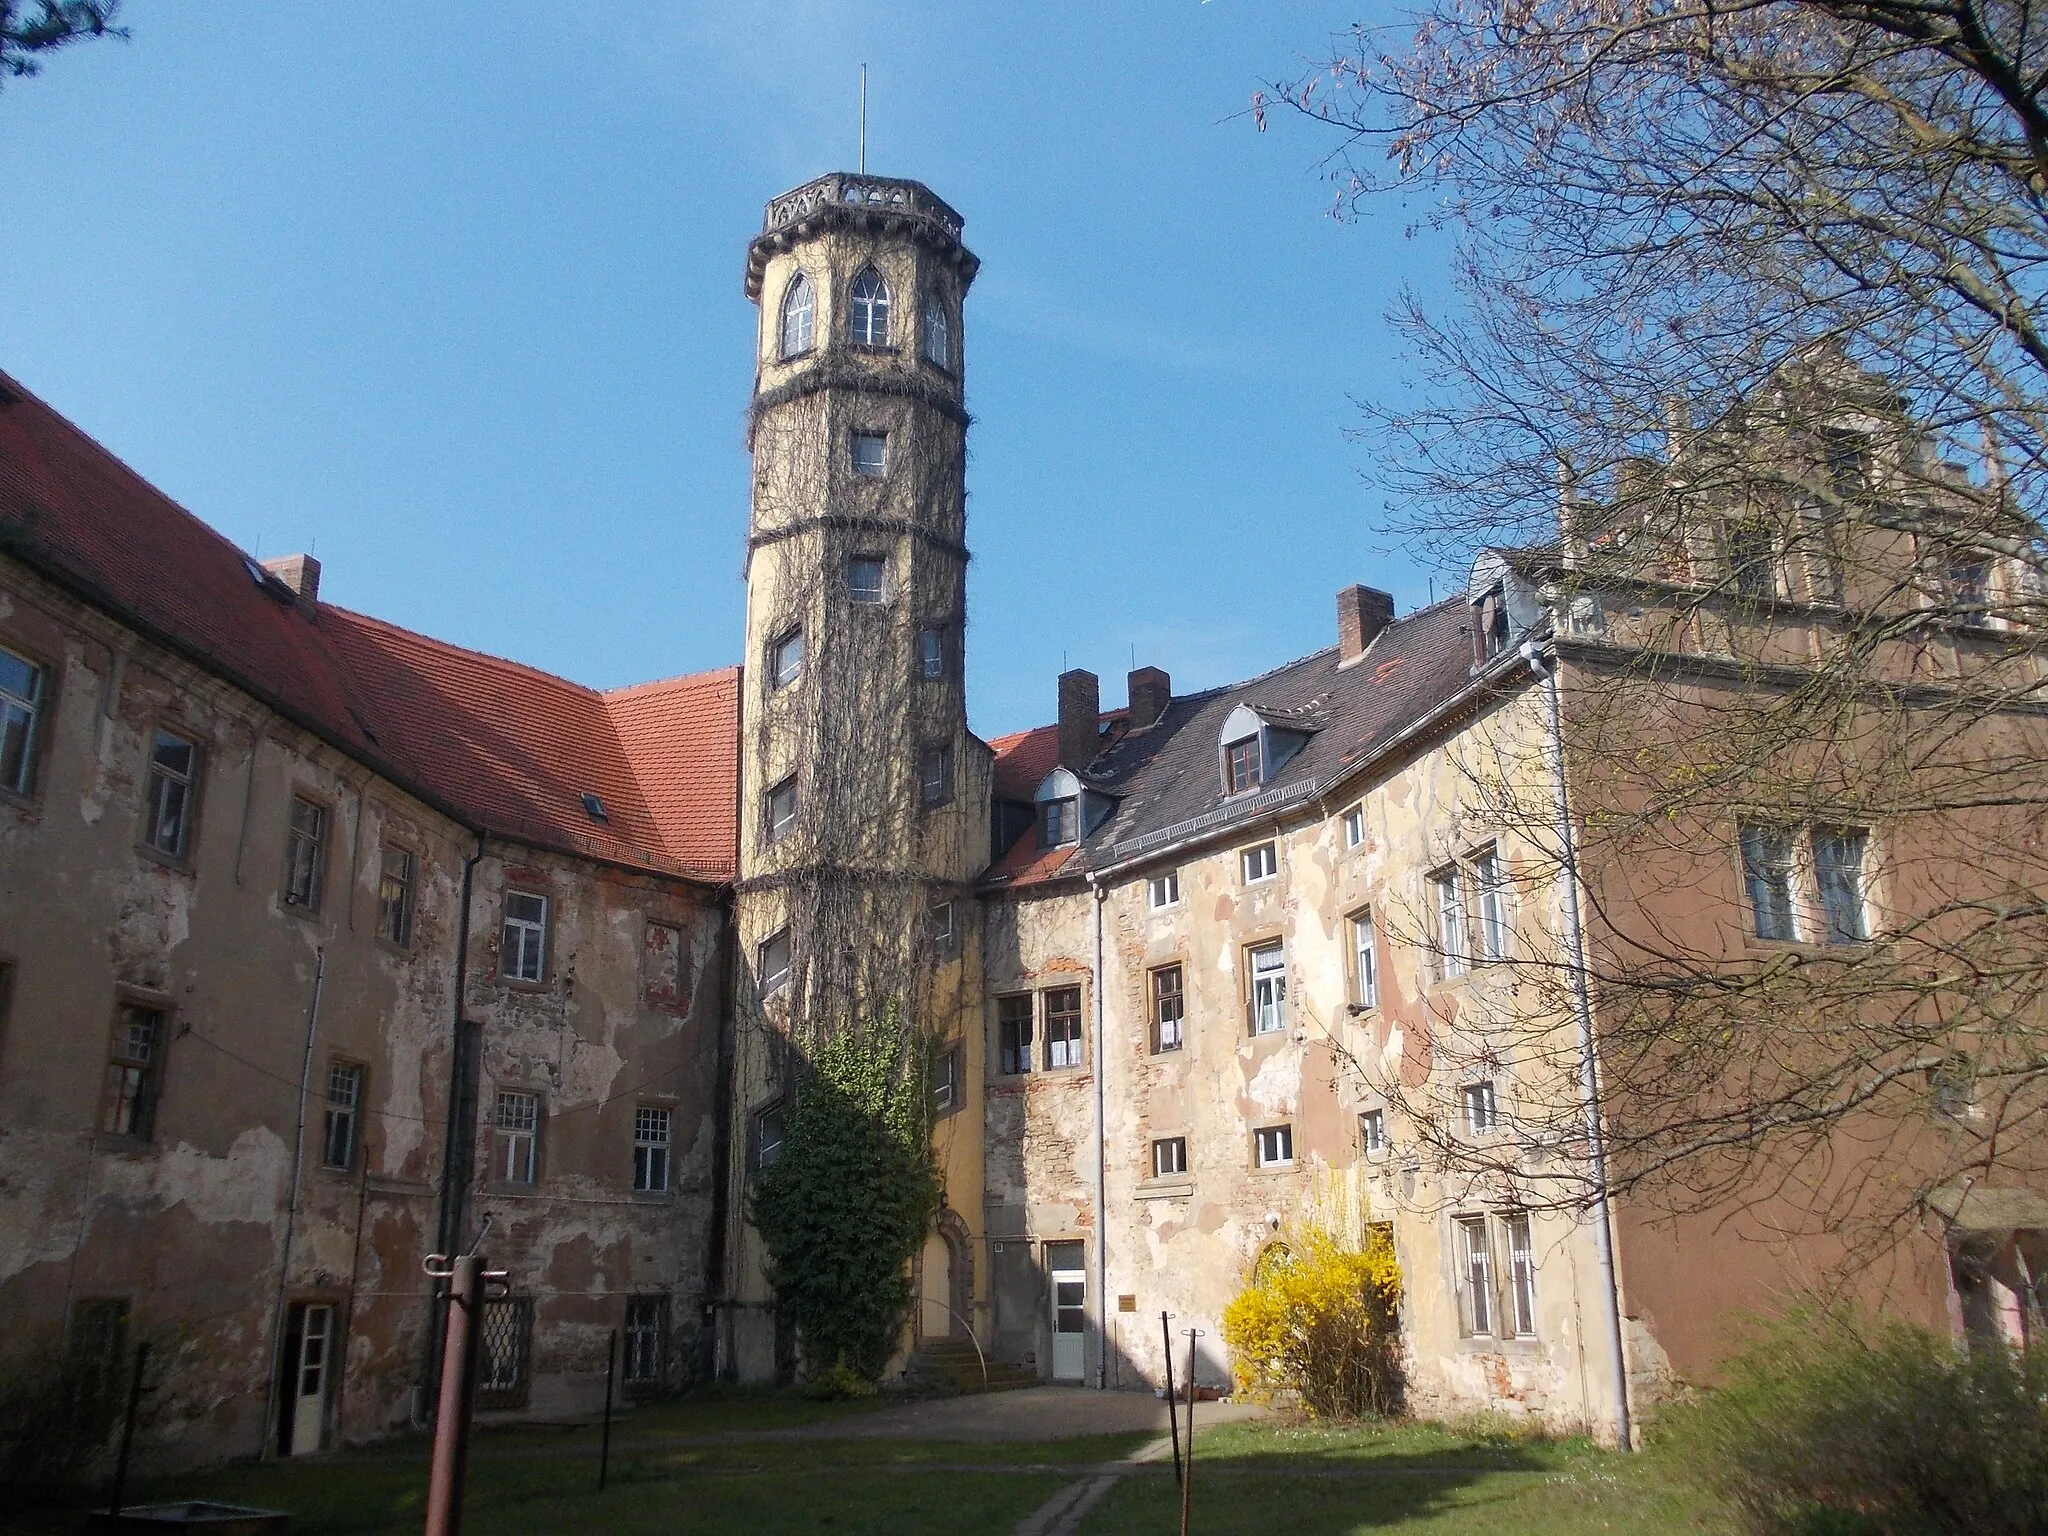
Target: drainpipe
(1101,1167)
(291,1212)
(1582,1006)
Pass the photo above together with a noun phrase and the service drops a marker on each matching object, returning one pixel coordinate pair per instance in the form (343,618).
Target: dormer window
(938,332)
(1241,766)
(799,312)
(1491,612)
(1059,822)
(867,319)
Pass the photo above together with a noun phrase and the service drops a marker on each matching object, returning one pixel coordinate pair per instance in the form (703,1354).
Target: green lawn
(701,1465)
(1312,1481)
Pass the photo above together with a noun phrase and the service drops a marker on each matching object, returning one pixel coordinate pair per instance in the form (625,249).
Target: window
(1365,964)
(1475,1278)
(931,653)
(1372,1132)
(593,806)
(1521,1277)
(21,702)
(1241,766)
(305,861)
(786,660)
(1060,823)
(646,1340)
(1260,863)
(1492,933)
(1966,581)
(1169,1010)
(1845,457)
(870,453)
(934,776)
(1269,988)
(867,318)
(96,1350)
(397,879)
(938,332)
(1354,826)
(344,1114)
(1163,890)
(1013,1033)
(172,764)
(799,311)
(650,1149)
(1752,560)
(1495,624)
(523,952)
(1273,1146)
(516,1155)
(504,1339)
(867,580)
(1447,900)
(1063,1028)
(134,1072)
(773,967)
(1482,1111)
(1170,1157)
(1767,873)
(949,1081)
(1838,869)
(771,1131)
(940,929)
(1952,1087)
(781,811)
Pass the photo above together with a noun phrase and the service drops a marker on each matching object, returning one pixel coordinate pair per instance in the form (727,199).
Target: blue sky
(451,296)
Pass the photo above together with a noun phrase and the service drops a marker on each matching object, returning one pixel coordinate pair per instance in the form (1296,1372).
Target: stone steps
(955,1361)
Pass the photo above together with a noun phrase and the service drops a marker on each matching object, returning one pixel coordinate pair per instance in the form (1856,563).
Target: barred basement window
(650,1149)
(517,1159)
(173,772)
(1062,1028)
(344,1112)
(646,1340)
(1474,1277)
(523,953)
(305,867)
(1013,1033)
(1168,1009)
(1169,1157)
(397,880)
(21,704)
(504,1346)
(134,1073)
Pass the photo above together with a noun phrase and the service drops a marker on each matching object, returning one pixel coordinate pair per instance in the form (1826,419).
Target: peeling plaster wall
(1187,1244)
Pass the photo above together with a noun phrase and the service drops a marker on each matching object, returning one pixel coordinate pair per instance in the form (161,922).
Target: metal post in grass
(1172,1408)
(1187,1481)
(118,1496)
(604,1454)
(468,1280)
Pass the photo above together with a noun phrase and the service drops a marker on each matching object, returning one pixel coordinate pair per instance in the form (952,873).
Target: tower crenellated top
(844,200)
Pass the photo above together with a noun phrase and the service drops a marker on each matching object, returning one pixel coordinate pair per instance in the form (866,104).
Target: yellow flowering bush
(1321,1319)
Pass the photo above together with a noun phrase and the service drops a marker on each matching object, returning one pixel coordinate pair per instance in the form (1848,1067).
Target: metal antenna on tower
(863,167)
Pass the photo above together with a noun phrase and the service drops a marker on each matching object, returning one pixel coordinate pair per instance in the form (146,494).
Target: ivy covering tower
(864,800)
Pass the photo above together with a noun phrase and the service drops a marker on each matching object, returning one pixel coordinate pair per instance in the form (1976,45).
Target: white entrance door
(309,1409)
(1065,1261)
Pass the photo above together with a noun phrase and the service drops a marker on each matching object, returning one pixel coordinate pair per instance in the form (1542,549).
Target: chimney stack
(1080,718)
(1362,612)
(299,572)
(1151,692)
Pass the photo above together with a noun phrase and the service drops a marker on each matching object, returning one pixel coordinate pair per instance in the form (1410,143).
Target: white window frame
(868,309)
(653,1136)
(1767,854)
(169,785)
(1354,825)
(935,775)
(20,715)
(1273,1146)
(397,894)
(1162,891)
(1372,1131)
(1268,986)
(1852,903)
(1490,931)
(868,468)
(1168,1034)
(771,1132)
(1260,862)
(1447,908)
(1059,821)
(1071,1050)
(1472,1260)
(1169,1157)
(938,331)
(931,652)
(1479,1107)
(515,1126)
(1017,1035)
(1521,1296)
(796,331)
(305,856)
(523,947)
(767,980)
(778,821)
(343,1117)
(1255,760)
(1365,959)
(868,597)
(786,659)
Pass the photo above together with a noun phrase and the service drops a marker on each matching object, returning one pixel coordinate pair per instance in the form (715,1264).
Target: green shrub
(847,1204)
(841,1384)
(57,1414)
(1833,1426)
(1320,1321)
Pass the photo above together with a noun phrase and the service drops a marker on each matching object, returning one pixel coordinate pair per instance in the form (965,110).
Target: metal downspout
(1101,1166)
(1582,1006)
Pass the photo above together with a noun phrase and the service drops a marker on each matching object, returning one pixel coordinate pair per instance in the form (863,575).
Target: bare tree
(31,28)
(1746,364)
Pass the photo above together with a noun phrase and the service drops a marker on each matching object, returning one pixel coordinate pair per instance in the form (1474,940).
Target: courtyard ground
(1042,1462)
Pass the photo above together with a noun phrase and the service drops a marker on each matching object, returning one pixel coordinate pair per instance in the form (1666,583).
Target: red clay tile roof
(504,748)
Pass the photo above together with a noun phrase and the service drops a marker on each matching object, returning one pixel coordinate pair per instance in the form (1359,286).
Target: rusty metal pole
(458,1394)
(118,1496)
(1172,1408)
(604,1455)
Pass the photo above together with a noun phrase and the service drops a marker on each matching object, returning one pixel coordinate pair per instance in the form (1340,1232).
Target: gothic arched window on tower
(867,319)
(938,332)
(799,310)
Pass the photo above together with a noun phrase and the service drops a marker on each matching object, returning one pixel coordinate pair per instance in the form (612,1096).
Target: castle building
(326,946)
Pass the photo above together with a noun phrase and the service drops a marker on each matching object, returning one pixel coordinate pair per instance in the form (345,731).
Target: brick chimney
(1362,612)
(1151,692)
(299,572)
(1080,718)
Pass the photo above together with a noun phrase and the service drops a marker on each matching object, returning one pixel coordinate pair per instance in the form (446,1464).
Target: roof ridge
(708,675)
